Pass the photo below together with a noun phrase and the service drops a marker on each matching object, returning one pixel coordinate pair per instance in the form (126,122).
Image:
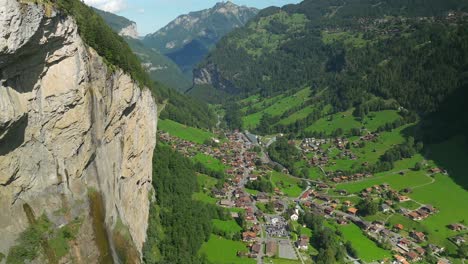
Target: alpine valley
(327,131)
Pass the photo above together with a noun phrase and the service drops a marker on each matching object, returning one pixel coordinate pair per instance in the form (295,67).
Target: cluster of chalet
(421,213)
(379,191)
(346,154)
(437,170)
(408,248)
(321,158)
(354,177)
(370,137)
(256,247)
(312,145)
(409,251)
(229,153)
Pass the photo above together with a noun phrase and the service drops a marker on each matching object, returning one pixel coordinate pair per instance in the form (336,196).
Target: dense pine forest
(178,224)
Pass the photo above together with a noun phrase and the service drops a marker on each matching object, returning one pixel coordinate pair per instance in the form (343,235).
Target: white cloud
(141,10)
(108,5)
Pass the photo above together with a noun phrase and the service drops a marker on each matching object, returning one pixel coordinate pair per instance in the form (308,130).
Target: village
(269,233)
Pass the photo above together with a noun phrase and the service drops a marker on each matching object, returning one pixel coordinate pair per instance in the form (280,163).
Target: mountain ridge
(189,37)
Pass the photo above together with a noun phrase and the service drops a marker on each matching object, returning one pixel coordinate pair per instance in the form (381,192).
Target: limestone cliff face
(210,75)
(67,126)
(130,31)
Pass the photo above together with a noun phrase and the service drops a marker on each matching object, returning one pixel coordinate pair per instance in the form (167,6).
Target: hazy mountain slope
(119,24)
(352,48)
(159,67)
(188,38)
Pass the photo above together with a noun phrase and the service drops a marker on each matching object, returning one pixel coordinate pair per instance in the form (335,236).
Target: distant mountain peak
(226,4)
(190,36)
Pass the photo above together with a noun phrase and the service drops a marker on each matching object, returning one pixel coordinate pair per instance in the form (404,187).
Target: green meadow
(346,121)
(205,181)
(185,132)
(223,251)
(229,226)
(366,249)
(275,106)
(210,162)
(288,185)
(409,179)
(204,197)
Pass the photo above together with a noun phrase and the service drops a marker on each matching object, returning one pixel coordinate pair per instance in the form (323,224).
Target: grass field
(184,132)
(396,181)
(288,185)
(210,162)
(411,205)
(371,152)
(366,249)
(230,226)
(276,106)
(348,38)
(445,195)
(205,181)
(297,115)
(204,197)
(346,121)
(300,230)
(222,251)
(250,191)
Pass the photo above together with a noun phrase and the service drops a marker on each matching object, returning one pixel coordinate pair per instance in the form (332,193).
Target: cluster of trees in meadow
(183,108)
(325,240)
(284,153)
(263,184)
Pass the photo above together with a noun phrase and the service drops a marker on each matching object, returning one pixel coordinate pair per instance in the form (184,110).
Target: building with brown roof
(255,248)
(271,248)
(419,236)
(303,243)
(352,210)
(249,236)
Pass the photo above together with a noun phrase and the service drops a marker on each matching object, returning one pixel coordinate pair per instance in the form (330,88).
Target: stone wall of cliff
(130,31)
(69,127)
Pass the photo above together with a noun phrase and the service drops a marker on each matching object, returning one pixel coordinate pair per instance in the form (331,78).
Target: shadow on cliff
(22,69)
(14,136)
(445,135)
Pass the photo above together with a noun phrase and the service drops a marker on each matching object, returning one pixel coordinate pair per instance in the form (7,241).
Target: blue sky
(151,15)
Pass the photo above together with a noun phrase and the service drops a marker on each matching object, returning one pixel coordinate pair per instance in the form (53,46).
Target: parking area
(286,250)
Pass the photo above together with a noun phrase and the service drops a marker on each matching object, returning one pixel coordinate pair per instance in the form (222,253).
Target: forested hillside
(411,51)
(159,67)
(117,23)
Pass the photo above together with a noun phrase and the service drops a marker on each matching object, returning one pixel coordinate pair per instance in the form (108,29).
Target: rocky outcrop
(130,31)
(68,127)
(210,75)
(207,26)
